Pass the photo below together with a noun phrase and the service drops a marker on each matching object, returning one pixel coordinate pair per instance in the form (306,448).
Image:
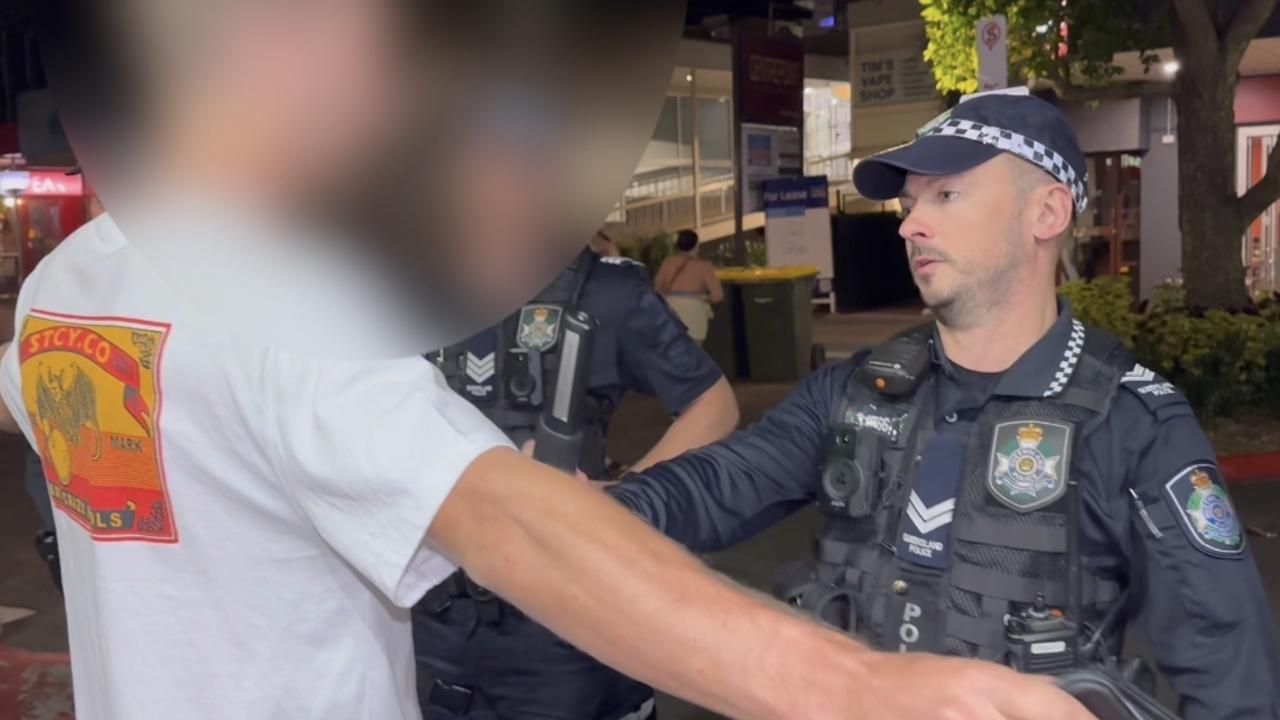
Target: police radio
(1045,640)
(1041,640)
(559,435)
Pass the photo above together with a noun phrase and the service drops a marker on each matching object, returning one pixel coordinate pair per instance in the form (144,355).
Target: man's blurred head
(281,97)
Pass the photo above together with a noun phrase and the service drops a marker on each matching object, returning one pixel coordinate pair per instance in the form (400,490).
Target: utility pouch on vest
(914,613)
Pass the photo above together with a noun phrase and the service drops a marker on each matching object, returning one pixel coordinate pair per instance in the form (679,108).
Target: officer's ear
(1050,209)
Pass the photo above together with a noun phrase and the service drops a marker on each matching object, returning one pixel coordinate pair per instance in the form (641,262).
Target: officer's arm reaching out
(723,494)
(713,415)
(576,562)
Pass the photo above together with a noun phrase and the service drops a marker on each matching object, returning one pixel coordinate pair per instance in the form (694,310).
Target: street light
(1171,68)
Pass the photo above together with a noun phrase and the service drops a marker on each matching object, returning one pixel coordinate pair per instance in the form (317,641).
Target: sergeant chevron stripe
(480,369)
(1138,374)
(928,519)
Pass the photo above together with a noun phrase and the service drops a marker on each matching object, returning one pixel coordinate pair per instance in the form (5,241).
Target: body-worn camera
(524,379)
(852,473)
(850,479)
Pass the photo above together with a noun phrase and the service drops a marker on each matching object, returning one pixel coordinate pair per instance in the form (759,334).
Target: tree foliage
(1068,45)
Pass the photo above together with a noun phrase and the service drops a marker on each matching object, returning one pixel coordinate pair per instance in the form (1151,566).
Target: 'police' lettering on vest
(908,633)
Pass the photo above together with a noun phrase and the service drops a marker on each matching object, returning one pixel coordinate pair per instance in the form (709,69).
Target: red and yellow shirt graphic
(91,386)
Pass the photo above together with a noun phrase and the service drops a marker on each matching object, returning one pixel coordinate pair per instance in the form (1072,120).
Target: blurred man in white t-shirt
(242,525)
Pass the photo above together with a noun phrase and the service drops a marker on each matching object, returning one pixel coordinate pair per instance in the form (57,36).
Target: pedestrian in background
(689,285)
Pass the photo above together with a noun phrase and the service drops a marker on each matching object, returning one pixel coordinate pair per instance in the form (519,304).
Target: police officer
(479,657)
(1002,483)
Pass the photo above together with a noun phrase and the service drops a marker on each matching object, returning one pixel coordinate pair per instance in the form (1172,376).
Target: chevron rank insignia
(1029,463)
(1159,395)
(1146,382)
(480,368)
(538,328)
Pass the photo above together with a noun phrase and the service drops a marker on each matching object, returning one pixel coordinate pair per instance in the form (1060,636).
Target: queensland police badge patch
(539,327)
(1199,499)
(1029,463)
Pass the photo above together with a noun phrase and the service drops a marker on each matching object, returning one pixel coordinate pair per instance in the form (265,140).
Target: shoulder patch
(1159,395)
(1198,497)
(620,260)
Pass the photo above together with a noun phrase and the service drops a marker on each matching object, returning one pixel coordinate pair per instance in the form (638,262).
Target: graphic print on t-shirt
(91,388)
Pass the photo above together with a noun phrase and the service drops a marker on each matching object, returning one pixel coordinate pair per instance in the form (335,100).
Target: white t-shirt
(240,528)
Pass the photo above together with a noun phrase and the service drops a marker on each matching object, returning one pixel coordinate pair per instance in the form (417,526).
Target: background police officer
(953,463)
(478,657)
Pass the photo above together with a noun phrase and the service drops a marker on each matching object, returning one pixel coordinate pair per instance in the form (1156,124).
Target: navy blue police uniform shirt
(640,344)
(1148,481)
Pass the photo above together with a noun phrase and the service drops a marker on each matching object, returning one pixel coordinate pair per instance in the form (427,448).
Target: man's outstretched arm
(597,576)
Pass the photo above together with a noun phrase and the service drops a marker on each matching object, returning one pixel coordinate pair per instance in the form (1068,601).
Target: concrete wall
(1112,126)
(1258,100)
(868,13)
(1161,239)
(708,55)
(877,27)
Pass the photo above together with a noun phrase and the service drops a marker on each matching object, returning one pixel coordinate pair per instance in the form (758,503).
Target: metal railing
(675,210)
(665,202)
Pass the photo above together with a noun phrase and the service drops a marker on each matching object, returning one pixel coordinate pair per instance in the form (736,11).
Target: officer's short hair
(686,240)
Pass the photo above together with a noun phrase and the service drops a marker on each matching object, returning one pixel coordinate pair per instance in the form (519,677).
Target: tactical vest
(509,371)
(999,558)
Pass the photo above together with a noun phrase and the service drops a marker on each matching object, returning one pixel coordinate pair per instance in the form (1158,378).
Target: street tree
(1070,46)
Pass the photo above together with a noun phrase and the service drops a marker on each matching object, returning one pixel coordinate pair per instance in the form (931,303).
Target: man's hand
(927,686)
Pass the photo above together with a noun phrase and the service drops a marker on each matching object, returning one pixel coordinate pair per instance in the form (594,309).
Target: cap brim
(881,177)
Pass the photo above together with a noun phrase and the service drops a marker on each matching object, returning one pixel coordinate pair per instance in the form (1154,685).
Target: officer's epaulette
(1160,396)
(620,260)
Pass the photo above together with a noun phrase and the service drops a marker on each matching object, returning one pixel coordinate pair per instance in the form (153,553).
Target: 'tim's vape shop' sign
(892,77)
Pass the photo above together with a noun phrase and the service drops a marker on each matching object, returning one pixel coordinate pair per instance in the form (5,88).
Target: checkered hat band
(1034,152)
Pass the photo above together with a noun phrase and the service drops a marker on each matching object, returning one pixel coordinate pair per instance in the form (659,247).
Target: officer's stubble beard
(980,285)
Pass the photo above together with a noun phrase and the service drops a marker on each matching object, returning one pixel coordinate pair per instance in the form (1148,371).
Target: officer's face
(963,237)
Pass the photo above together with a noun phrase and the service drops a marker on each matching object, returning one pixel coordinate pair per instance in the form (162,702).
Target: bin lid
(765,274)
